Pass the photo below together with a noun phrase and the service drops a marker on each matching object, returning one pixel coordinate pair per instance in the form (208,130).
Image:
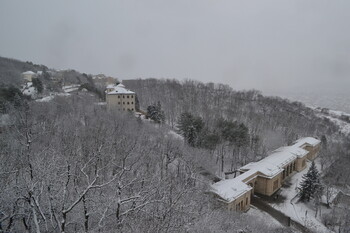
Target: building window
(118,102)
(288,169)
(132,96)
(123,96)
(132,102)
(275,185)
(128,103)
(118,96)
(132,109)
(127,96)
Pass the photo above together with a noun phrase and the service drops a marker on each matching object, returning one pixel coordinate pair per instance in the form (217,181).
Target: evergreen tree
(10,95)
(137,104)
(310,185)
(38,85)
(155,113)
(190,127)
(235,133)
(209,140)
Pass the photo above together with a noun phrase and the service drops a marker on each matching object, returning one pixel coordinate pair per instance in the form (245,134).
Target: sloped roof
(308,140)
(118,89)
(231,189)
(28,72)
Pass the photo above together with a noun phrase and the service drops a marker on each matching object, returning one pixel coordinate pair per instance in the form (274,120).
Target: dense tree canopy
(71,166)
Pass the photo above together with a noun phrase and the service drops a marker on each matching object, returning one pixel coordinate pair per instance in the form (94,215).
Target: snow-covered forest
(70,165)
(271,121)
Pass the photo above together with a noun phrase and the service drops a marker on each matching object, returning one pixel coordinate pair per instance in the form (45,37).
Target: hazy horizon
(272,46)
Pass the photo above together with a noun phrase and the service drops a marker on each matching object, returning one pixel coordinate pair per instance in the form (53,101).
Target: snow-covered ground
(29,89)
(70,88)
(337,117)
(172,133)
(175,135)
(304,213)
(101,103)
(338,99)
(338,113)
(265,217)
(51,97)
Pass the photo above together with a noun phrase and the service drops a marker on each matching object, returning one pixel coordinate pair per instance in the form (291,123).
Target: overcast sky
(269,45)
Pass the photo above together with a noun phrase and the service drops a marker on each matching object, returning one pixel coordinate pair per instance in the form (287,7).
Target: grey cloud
(265,45)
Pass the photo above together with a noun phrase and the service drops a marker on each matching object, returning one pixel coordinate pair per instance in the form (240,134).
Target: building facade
(267,175)
(29,75)
(118,97)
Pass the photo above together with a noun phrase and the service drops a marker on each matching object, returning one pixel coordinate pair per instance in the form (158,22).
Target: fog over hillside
(284,46)
(325,99)
(175,116)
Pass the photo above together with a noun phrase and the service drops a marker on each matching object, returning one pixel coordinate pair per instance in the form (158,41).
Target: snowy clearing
(70,88)
(337,117)
(29,89)
(265,217)
(51,97)
(175,135)
(304,213)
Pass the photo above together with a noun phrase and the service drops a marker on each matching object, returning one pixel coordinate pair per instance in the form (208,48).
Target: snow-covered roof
(274,163)
(268,167)
(28,72)
(111,86)
(230,189)
(118,89)
(308,140)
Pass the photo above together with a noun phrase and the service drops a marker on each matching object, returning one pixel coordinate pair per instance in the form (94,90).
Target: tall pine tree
(310,185)
(190,127)
(155,113)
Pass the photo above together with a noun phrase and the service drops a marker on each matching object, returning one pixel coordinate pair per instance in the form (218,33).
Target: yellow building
(118,97)
(267,175)
(29,75)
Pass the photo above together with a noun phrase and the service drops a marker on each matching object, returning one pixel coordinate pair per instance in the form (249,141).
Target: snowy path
(303,213)
(256,213)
